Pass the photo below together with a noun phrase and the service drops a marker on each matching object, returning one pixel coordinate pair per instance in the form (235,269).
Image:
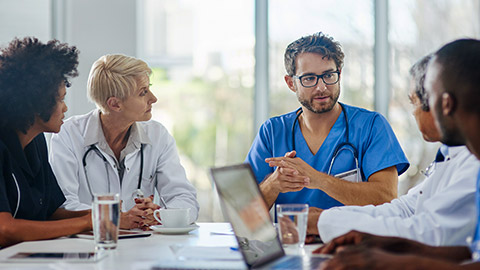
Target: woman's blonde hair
(114,75)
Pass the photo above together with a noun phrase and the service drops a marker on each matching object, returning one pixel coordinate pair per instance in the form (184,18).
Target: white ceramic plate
(165,230)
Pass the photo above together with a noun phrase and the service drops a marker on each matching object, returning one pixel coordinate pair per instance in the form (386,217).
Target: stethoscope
(343,146)
(137,193)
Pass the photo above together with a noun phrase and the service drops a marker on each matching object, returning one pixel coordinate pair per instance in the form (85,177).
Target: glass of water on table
(106,220)
(292,224)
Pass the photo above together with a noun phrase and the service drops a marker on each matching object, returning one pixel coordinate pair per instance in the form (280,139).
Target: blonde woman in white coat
(118,149)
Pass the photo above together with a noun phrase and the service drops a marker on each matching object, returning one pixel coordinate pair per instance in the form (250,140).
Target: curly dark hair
(31,73)
(319,43)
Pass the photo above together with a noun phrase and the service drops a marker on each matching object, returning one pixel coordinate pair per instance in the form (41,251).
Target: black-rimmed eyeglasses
(311,80)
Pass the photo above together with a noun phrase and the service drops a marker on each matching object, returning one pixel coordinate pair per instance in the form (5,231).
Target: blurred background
(218,65)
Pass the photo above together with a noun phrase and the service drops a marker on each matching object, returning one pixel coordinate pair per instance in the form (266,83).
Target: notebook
(244,206)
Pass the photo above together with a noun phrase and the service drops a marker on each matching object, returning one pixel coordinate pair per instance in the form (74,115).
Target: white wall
(18,21)
(96,28)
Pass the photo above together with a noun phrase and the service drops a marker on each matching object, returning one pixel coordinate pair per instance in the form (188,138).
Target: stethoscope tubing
(339,147)
(105,161)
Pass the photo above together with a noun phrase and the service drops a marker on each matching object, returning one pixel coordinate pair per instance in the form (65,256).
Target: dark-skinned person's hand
(359,258)
(366,240)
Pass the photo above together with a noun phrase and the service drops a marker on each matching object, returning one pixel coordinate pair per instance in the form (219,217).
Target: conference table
(211,240)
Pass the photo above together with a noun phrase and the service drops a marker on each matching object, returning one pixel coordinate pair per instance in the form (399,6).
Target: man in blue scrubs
(312,155)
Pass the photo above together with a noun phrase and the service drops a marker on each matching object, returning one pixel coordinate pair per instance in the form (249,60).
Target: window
(349,22)
(202,54)
(418,28)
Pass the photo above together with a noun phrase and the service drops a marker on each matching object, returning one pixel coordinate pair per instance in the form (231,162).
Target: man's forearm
(270,194)
(364,193)
(313,216)
(380,188)
(453,253)
(426,263)
(450,253)
(407,246)
(414,262)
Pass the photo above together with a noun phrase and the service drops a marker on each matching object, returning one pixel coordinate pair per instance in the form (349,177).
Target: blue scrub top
(476,237)
(370,133)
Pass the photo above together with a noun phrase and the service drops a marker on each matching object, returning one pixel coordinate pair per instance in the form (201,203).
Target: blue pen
(234,248)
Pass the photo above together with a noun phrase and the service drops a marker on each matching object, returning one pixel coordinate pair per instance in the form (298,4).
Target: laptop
(243,204)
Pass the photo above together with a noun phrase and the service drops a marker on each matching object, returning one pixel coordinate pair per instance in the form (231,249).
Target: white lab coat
(439,211)
(161,170)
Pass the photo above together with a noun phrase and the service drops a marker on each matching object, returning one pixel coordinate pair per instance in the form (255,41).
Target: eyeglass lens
(312,80)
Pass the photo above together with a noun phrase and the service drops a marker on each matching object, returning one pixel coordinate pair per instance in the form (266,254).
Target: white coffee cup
(173,217)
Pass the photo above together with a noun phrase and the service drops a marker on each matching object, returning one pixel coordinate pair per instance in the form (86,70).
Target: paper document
(122,234)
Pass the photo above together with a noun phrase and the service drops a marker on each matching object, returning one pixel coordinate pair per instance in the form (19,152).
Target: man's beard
(308,103)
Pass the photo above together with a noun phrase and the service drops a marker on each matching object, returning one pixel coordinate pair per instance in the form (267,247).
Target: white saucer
(168,230)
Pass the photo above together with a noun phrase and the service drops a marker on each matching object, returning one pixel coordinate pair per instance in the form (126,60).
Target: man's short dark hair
(319,43)
(460,72)
(418,72)
(31,73)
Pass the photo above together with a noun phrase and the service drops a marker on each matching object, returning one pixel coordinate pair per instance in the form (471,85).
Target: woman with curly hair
(33,81)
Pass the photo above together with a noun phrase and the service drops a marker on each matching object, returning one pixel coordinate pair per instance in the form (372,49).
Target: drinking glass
(292,223)
(106,220)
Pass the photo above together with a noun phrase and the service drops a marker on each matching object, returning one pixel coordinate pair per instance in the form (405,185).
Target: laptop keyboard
(287,262)
(297,262)
(199,265)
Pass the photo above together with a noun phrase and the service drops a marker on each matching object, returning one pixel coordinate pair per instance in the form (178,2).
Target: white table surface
(135,253)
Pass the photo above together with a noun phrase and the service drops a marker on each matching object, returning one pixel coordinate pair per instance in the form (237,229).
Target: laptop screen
(244,206)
